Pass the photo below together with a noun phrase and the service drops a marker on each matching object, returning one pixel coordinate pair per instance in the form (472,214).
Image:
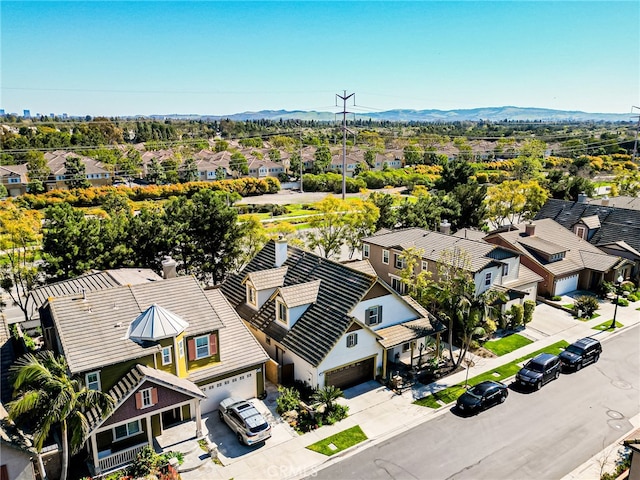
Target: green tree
(70,241)
(413,154)
(322,159)
(362,219)
(156,173)
(512,201)
(204,235)
(189,171)
(131,164)
(47,398)
(75,173)
(386,206)
(38,172)
(19,234)
(528,164)
(238,164)
(328,230)
(455,172)
(295,162)
(221,145)
(148,232)
(254,238)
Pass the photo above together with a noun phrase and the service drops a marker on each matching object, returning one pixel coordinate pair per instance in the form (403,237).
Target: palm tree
(46,396)
(328,395)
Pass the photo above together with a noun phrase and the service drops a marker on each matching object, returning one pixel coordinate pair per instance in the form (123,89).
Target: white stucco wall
(394,310)
(479,277)
(19,466)
(514,270)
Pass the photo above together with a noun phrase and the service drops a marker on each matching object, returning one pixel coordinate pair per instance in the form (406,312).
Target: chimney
(582,197)
(281,251)
(530,229)
(445,227)
(169,267)
(605,201)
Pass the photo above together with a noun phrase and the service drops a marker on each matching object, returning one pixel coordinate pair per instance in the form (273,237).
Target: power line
(344,112)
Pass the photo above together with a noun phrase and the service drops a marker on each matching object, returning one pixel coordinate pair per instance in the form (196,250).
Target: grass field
(340,441)
(507,344)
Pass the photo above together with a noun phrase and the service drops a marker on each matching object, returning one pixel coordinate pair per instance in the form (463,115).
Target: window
(373,315)
(385,257)
(487,279)
(127,430)
(365,250)
(282,311)
(166,355)
(398,260)
(181,348)
(202,347)
(251,295)
(425,265)
(146,397)
(406,347)
(398,285)
(92,380)
(581,232)
(505,269)
(352,340)
(268,340)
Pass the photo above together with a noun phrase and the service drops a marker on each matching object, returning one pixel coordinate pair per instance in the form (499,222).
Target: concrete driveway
(548,321)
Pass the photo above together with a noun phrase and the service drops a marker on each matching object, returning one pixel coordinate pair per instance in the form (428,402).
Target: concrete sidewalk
(382,414)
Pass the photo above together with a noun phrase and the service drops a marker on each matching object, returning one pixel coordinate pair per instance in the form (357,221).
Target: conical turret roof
(156,323)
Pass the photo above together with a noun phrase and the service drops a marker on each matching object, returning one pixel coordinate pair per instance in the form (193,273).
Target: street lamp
(619,281)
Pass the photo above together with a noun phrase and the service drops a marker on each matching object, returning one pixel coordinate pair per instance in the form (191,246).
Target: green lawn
(342,441)
(605,325)
(449,395)
(507,344)
(583,319)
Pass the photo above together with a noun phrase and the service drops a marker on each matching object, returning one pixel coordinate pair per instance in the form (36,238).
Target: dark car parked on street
(580,353)
(481,396)
(539,370)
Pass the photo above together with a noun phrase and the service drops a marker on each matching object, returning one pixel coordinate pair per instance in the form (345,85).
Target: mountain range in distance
(492,114)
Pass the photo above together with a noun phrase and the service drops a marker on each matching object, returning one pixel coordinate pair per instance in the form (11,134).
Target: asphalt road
(539,435)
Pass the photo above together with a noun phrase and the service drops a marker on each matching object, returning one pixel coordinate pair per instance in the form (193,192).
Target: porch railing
(120,458)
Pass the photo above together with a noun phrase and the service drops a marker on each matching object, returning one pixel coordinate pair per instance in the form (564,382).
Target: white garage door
(242,386)
(566,285)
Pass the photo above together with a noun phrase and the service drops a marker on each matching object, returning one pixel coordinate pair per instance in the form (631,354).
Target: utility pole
(344,99)
(635,144)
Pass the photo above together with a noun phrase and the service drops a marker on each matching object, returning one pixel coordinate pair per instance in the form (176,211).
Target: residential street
(540,435)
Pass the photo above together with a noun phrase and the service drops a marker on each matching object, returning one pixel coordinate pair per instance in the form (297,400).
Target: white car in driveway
(245,420)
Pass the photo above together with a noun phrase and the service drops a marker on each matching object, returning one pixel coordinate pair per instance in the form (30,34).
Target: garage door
(350,375)
(566,285)
(242,386)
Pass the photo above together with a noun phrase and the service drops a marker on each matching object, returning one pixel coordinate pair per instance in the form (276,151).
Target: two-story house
(326,323)
(490,265)
(564,260)
(167,351)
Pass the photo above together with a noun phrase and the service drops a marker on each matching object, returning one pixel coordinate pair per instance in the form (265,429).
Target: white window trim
(425,265)
(146,397)
(195,344)
(251,292)
(385,253)
(117,439)
(398,261)
(281,305)
(181,348)
(87,383)
(365,250)
(166,349)
(352,339)
(581,231)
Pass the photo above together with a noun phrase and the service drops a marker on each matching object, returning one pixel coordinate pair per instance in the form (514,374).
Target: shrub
(529,307)
(633,297)
(482,177)
(517,315)
(337,413)
(556,298)
(587,305)
(623,302)
(289,399)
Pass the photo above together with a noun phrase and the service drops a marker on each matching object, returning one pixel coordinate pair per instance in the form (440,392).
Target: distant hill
(494,114)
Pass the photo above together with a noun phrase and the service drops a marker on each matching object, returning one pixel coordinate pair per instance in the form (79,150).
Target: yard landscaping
(607,325)
(450,394)
(340,441)
(507,344)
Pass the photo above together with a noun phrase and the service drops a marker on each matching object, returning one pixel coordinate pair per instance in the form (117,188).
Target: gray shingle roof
(324,322)
(580,254)
(271,278)
(481,253)
(301,294)
(102,319)
(616,223)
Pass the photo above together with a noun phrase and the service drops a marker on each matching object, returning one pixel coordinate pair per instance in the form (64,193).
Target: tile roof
(525,276)
(470,234)
(106,315)
(433,244)
(362,265)
(316,332)
(616,223)
(580,254)
(270,278)
(301,294)
(405,332)
(591,222)
(618,202)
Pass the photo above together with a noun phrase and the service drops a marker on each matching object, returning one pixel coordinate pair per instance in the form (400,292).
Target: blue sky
(223,57)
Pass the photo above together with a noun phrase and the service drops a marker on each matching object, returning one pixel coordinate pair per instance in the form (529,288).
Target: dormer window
(581,232)
(556,256)
(251,295)
(282,312)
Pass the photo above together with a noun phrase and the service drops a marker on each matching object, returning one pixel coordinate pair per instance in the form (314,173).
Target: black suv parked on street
(539,370)
(583,352)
